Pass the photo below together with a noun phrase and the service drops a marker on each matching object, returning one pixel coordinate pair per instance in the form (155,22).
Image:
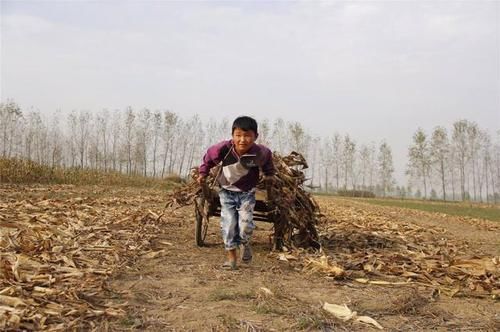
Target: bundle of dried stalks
(294,211)
(56,257)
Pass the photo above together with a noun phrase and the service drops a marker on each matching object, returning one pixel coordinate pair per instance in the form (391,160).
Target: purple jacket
(239,173)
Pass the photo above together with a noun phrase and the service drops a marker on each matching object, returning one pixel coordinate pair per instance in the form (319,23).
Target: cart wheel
(201,224)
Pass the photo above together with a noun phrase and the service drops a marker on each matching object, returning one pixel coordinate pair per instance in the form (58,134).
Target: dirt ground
(183,287)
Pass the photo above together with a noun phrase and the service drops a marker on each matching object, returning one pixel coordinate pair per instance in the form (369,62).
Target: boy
(241,160)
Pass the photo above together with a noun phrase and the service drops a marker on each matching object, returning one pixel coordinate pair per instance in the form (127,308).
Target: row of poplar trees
(463,163)
(163,143)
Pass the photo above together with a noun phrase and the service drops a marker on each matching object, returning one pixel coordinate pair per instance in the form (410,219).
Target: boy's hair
(245,123)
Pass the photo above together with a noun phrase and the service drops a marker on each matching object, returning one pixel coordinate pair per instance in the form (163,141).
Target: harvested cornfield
(106,258)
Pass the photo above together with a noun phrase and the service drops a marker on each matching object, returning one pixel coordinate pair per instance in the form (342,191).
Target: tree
(433,194)
(157,127)
(452,157)
(495,169)
(129,136)
(83,131)
(279,135)
(473,136)
(460,143)
(403,192)
(336,146)
(116,130)
(10,119)
(486,159)
(318,150)
(170,120)
(419,158)
(373,165)
(196,134)
(297,133)
(265,133)
(439,153)
(94,154)
(325,160)
(55,142)
(103,130)
(72,119)
(386,167)
(349,150)
(183,143)
(364,157)
(40,140)
(29,134)
(143,139)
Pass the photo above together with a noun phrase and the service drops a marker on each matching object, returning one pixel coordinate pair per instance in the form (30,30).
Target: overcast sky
(373,69)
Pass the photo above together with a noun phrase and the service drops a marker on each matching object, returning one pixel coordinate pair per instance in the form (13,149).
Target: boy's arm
(268,166)
(207,163)
(210,159)
(269,171)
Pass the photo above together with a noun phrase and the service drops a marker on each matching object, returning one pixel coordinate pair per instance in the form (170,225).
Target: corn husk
(56,257)
(377,246)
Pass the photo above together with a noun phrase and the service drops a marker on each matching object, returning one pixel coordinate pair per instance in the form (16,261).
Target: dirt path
(183,288)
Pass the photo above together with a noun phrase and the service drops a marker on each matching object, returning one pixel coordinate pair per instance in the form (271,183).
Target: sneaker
(246,253)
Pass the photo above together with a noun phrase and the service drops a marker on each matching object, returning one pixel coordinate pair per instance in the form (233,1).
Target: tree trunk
(326,179)
(474,177)
(486,178)
(164,160)
(442,180)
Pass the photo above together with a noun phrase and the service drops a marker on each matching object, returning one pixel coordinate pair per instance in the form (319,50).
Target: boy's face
(243,140)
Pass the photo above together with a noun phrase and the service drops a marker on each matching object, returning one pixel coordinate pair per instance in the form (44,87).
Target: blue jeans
(236,220)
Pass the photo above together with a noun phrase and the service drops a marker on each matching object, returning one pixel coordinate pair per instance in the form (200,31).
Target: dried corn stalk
(57,255)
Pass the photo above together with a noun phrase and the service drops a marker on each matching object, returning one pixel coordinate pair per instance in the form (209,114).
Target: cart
(207,205)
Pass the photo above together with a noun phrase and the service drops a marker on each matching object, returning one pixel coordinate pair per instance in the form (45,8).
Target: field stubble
(113,258)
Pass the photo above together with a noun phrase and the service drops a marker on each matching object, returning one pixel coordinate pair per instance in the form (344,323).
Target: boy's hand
(201,179)
(269,181)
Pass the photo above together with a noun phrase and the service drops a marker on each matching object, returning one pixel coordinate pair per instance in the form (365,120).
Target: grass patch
(228,321)
(451,208)
(127,321)
(323,193)
(224,294)
(345,193)
(21,171)
(310,322)
(266,309)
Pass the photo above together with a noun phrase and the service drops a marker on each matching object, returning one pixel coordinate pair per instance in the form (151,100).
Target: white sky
(373,69)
